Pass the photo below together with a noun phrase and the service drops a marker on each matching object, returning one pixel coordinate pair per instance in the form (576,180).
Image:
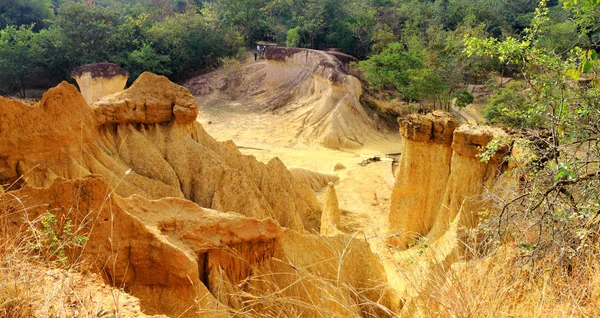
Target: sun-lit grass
(505,282)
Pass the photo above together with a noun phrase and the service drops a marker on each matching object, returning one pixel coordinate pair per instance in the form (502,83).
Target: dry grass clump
(323,286)
(38,277)
(511,280)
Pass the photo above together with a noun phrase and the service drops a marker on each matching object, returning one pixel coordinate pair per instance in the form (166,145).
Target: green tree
(389,69)
(559,195)
(403,70)
(293,37)
(91,33)
(245,16)
(20,53)
(26,12)
(192,42)
(463,98)
(146,59)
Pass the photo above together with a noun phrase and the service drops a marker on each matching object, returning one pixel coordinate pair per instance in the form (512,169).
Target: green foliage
(191,43)
(547,98)
(558,195)
(244,15)
(463,98)
(293,37)
(572,4)
(25,12)
(90,34)
(492,148)
(146,59)
(559,37)
(403,70)
(20,53)
(382,38)
(511,107)
(392,68)
(54,238)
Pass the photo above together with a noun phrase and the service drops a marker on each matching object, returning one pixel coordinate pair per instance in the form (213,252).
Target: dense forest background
(413,46)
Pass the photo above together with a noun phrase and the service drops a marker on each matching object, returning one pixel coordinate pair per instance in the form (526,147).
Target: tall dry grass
(507,281)
(40,271)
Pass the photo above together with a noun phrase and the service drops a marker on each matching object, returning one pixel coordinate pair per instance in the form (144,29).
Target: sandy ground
(363,191)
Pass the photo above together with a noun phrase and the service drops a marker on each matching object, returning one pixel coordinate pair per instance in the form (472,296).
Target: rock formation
(423,170)
(186,261)
(314,89)
(310,91)
(439,175)
(330,218)
(152,100)
(99,80)
(314,180)
(465,193)
(187,224)
(145,141)
(161,251)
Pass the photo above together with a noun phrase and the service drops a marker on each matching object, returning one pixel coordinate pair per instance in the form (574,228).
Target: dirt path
(470,114)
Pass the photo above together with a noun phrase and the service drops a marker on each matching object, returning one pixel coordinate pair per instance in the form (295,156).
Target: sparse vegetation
(53,239)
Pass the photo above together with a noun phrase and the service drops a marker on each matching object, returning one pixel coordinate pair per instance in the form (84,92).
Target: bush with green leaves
(554,213)
(26,12)
(20,55)
(293,37)
(54,238)
(392,68)
(191,43)
(463,98)
(511,107)
(146,59)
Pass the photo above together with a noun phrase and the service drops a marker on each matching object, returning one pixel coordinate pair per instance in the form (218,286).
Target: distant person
(255,55)
(258,49)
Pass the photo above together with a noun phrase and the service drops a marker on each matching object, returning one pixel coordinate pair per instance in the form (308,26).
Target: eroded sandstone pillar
(423,171)
(98,80)
(331,212)
(441,177)
(469,177)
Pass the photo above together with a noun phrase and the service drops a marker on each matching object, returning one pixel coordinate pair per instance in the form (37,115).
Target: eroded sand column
(98,80)
(470,177)
(331,212)
(423,171)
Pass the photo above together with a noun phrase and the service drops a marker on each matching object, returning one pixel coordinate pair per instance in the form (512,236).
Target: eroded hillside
(306,96)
